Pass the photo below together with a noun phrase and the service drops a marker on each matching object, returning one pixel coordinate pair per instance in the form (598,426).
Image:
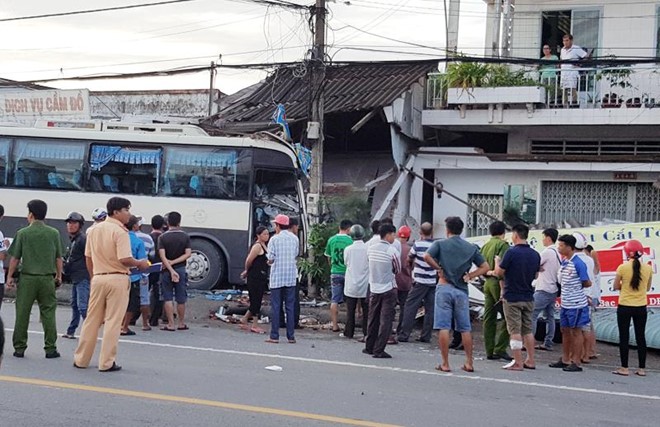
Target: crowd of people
(110,268)
(114,282)
(519,285)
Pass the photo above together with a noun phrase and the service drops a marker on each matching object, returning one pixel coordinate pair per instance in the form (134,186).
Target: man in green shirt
(334,250)
(495,343)
(38,249)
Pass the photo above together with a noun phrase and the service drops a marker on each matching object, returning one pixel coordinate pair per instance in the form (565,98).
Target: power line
(81,12)
(608,62)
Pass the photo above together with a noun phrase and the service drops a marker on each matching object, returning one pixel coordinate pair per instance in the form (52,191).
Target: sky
(228,31)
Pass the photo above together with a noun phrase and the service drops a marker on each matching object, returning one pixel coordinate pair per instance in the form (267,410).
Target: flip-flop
(526,366)
(541,347)
(336,330)
(640,374)
(127,333)
(146,328)
(272,341)
(182,328)
(441,369)
(165,328)
(511,366)
(585,362)
(466,369)
(617,372)
(257,331)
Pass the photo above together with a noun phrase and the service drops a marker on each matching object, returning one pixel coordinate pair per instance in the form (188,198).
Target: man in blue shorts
(453,258)
(334,250)
(174,249)
(574,314)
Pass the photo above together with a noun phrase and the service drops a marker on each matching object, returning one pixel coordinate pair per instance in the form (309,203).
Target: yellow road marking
(193,401)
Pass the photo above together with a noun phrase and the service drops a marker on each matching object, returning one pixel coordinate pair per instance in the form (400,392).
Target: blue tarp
(607,329)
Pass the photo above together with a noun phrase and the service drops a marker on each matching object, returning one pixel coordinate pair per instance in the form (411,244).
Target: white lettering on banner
(608,242)
(28,106)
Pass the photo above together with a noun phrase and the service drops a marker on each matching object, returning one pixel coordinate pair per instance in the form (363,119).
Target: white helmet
(99,214)
(581,241)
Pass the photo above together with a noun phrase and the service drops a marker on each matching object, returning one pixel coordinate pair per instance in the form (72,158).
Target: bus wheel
(206,266)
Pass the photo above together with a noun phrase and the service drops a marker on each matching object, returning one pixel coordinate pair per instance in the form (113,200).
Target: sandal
(257,330)
(182,328)
(441,369)
(640,373)
(168,329)
(146,328)
(621,372)
(272,341)
(466,369)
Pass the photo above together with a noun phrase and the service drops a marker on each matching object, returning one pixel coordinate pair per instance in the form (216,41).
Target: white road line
(385,368)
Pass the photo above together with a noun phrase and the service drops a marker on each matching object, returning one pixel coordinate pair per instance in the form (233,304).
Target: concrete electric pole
(315,125)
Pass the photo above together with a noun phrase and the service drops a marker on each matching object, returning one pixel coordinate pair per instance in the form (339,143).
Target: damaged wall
(175,103)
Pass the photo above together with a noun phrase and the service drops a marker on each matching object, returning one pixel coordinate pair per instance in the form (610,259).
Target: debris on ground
(274,368)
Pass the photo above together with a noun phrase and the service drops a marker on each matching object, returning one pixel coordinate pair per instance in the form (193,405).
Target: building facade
(524,152)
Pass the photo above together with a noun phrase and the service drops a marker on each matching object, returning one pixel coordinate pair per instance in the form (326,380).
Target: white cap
(580,241)
(140,220)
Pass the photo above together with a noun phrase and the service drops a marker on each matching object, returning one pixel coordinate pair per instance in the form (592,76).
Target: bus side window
(43,163)
(118,169)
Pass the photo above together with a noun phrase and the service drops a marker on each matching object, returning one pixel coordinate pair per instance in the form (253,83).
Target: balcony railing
(610,87)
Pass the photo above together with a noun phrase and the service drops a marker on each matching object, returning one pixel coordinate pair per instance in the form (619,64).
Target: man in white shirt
(545,293)
(570,76)
(356,282)
(384,264)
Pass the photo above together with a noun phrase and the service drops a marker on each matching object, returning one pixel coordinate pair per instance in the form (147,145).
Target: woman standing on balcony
(548,72)
(633,279)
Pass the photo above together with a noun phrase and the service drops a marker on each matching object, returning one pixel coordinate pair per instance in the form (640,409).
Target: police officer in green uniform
(38,248)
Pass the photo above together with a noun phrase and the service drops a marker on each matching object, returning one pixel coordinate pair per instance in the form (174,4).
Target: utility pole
(507,27)
(211,88)
(315,125)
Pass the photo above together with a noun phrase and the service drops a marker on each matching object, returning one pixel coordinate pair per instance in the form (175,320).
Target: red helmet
(404,232)
(633,248)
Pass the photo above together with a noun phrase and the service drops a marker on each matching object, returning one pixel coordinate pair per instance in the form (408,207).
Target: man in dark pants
(39,250)
(294,224)
(76,270)
(384,264)
(2,339)
(157,228)
(423,290)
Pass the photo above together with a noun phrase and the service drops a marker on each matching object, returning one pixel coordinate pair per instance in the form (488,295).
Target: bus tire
(206,266)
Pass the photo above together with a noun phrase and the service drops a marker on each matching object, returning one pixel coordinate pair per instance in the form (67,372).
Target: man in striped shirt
(423,289)
(384,264)
(574,314)
(282,254)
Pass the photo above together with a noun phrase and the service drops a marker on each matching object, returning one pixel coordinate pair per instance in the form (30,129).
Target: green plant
(316,267)
(502,76)
(466,75)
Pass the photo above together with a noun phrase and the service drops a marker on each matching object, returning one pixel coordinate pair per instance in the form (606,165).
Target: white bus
(223,187)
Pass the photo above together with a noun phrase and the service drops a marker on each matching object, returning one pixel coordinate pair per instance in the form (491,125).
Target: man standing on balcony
(570,76)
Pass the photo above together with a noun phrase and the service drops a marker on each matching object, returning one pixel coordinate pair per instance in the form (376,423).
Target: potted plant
(611,100)
(616,78)
(473,83)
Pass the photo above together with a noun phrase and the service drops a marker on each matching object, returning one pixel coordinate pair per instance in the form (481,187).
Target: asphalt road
(210,376)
